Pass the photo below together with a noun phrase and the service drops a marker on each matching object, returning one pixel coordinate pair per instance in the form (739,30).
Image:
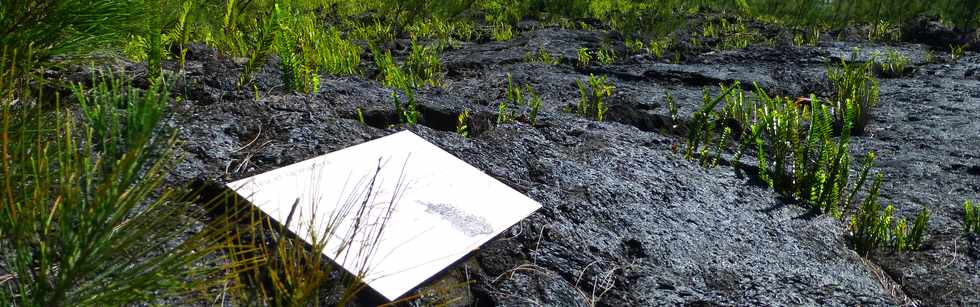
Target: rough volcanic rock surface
(626,221)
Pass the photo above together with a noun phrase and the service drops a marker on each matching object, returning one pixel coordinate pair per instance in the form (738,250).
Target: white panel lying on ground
(398,207)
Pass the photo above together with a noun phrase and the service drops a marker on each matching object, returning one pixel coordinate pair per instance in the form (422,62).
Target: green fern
(971,217)
(535,104)
(592,97)
(462,124)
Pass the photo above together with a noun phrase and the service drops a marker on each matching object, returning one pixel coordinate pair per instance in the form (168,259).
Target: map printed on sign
(397,209)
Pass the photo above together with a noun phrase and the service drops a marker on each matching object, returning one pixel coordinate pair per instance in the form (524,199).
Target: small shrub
(592,97)
(796,151)
(971,217)
(66,28)
(85,216)
(261,49)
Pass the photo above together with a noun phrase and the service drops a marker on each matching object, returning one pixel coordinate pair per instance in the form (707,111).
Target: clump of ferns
(957,51)
(463,124)
(605,55)
(592,97)
(541,56)
(421,67)
(883,30)
(873,227)
(892,65)
(408,111)
(304,49)
(423,64)
(795,148)
(584,58)
(971,217)
(799,155)
(518,98)
(444,32)
(388,71)
(855,91)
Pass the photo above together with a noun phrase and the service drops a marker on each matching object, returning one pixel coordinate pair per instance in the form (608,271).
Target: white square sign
(397,209)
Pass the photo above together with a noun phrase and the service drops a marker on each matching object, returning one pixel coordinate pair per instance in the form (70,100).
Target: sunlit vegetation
(855,92)
(85,216)
(798,155)
(971,217)
(463,123)
(592,97)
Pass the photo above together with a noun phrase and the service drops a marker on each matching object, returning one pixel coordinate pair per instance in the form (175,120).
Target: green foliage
(502,32)
(658,46)
(807,37)
(672,109)
(328,52)
(375,33)
(408,112)
(542,56)
(423,65)
(855,92)
(153,28)
(69,28)
(85,218)
(796,151)
(261,49)
(360,116)
(729,34)
(101,107)
(605,56)
(447,33)
(391,75)
(592,97)
(701,129)
(799,156)
(584,58)
(463,124)
(514,94)
(504,114)
(872,228)
(535,104)
(957,51)
(971,217)
(962,13)
(635,45)
(883,30)
(893,65)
